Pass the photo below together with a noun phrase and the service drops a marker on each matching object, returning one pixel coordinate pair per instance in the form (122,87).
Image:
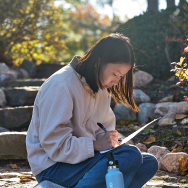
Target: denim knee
(132,154)
(152,161)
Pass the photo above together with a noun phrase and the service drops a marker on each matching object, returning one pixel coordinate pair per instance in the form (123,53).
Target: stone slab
(15,117)
(13,145)
(21,96)
(22,83)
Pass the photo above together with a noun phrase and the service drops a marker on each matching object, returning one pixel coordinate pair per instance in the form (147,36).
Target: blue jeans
(137,169)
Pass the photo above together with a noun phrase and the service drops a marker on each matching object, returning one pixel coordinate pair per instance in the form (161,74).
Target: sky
(123,8)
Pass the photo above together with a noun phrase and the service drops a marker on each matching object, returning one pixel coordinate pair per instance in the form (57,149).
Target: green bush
(147,33)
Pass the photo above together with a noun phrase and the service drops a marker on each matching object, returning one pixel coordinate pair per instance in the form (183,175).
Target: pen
(102,127)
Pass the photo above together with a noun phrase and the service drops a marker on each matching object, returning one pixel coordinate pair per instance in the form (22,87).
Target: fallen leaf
(177,150)
(180,116)
(185,127)
(166,121)
(13,166)
(149,140)
(26,178)
(178,132)
(183,164)
(183,181)
(184,121)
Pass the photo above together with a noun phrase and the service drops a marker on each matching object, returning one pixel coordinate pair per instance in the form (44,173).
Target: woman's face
(112,73)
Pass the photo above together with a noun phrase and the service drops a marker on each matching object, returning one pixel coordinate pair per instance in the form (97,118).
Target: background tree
(30,29)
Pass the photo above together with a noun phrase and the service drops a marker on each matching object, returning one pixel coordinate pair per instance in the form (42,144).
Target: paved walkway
(21,177)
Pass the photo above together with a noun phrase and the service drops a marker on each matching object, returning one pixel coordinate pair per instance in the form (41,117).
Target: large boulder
(168,110)
(159,153)
(123,113)
(3,101)
(13,145)
(29,66)
(140,96)
(146,111)
(3,68)
(6,74)
(141,78)
(170,161)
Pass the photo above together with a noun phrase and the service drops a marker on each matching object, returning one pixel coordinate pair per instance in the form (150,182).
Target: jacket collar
(73,64)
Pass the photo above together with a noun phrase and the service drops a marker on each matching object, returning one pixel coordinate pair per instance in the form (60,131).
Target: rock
(3,68)
(168,110)
(141,147)
(159,153)
(45,70)
(123,113)
(9,76)
(146,111)
(140,96)
(13,145)
(20,73)
(163,108)
(15,117)
(3,101)
(21,96)
(2,129)
(170,161)
(30,67)
(141,78)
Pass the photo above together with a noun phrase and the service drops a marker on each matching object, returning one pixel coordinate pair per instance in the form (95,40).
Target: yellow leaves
(149,140)
(183,164)
(31,2)
(21,11)
(8,35)
(13,29)
(181,61)
(47,36)
(32,15)
(178,132)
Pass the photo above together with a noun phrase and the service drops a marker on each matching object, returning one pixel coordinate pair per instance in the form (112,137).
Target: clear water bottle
(114,178)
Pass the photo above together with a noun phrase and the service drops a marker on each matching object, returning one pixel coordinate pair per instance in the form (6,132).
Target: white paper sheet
(131,136)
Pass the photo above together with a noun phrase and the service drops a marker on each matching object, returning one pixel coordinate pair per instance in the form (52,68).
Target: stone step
(13,145)
(17,117)
(21,96)
(22,83)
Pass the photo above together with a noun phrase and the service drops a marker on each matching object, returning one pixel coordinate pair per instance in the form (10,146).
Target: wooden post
(153,5)
(170,3)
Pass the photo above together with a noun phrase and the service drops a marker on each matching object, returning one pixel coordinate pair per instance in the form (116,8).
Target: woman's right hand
(107,141)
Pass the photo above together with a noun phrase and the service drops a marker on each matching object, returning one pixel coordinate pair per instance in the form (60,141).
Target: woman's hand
(107,141)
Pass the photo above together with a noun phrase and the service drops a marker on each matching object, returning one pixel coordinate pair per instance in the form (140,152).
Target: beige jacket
(64,121)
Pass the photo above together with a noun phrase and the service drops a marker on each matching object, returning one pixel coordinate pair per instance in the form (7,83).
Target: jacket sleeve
(108,122)
(55,112)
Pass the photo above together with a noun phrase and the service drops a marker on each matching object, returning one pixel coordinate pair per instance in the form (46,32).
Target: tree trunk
(153,5)
(170,3)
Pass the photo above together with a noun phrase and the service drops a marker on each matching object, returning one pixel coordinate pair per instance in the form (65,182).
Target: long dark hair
(114,48)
